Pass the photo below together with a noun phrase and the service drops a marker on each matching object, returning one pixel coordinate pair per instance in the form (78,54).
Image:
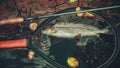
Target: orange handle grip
(11,21)
(18,43)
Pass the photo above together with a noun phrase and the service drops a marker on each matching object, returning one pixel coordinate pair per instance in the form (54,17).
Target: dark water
(17,58)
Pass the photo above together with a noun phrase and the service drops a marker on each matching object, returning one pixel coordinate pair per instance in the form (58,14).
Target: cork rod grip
(18,43)
(11,21)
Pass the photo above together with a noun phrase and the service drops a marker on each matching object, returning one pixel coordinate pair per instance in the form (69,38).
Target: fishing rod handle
(16,43)
(11,21)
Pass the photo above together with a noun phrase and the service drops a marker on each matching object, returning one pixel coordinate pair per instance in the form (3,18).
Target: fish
(72,30)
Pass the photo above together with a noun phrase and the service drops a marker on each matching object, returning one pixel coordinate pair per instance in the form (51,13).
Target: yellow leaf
(33,26)
(89,14)
(71,1)
(77,10)
(72,62)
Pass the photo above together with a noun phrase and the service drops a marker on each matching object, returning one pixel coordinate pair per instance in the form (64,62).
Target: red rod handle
(18,43)
(11,21)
